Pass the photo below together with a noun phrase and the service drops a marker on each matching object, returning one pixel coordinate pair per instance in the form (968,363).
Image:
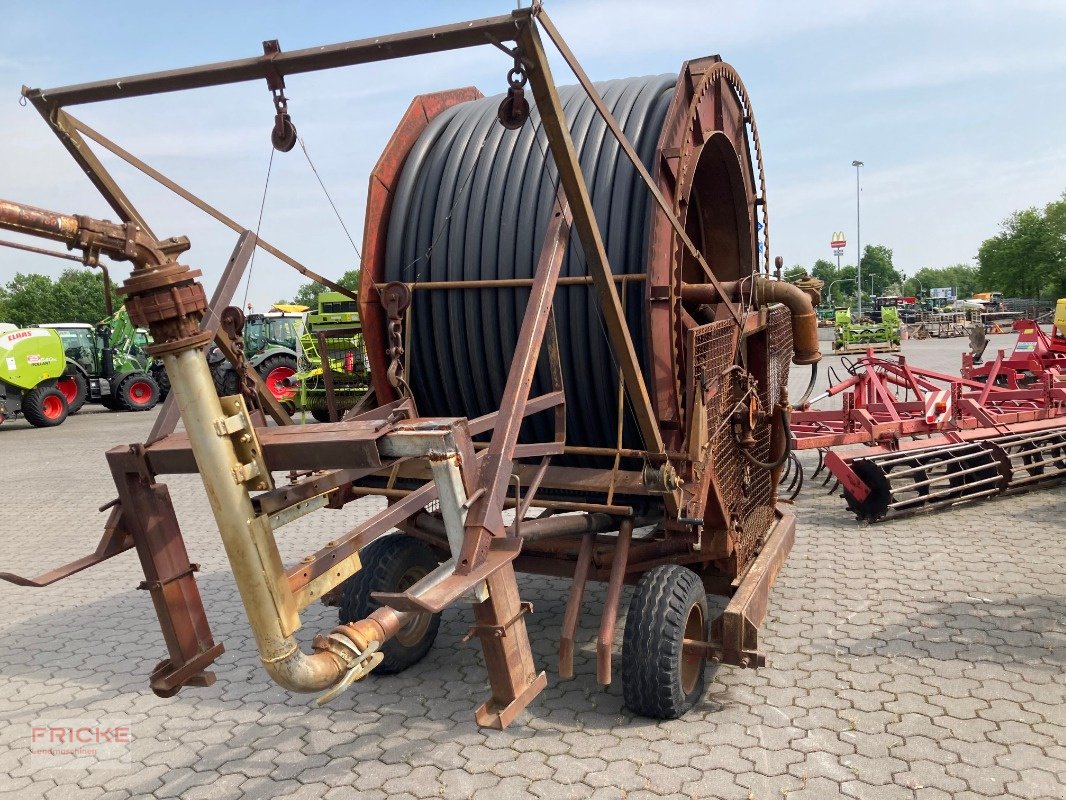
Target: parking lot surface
(919,659)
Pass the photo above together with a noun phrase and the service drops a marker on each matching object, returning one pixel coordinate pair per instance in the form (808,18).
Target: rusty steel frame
(346,452)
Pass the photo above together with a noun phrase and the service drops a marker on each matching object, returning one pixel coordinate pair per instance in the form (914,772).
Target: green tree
(80,295)
(794,273)
(839,286)
(76,296)
(307,295)
(877,264)
(1027,258)
(962,277)
(825,270)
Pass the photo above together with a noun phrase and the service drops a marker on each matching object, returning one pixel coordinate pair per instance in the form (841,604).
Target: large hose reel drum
(458,197)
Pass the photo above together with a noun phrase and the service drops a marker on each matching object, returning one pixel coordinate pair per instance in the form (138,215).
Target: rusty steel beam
(115,539)
(485,518)
(735,634)
(510,283)
(344,445)
(631,154)
(71,139)
(312,59)
(555,128)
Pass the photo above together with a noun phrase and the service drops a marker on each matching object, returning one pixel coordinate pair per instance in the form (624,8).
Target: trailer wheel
(75,389)
(392,564)
(658,679)
(44,407)
(320,414)
(137,392)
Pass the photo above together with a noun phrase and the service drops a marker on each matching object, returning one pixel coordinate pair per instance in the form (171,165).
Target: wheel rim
(140,393)
(52,407)
(692,662)
(412,633)
(69,388)
(275,382)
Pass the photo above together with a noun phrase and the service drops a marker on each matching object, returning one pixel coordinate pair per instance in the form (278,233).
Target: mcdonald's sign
(838,242)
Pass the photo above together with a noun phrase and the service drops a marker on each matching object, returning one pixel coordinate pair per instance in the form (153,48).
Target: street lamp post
(834,283)
(921,287)
(858,234)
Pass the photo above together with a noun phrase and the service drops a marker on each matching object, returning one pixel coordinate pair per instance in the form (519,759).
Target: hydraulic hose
(786,452)
(810,386)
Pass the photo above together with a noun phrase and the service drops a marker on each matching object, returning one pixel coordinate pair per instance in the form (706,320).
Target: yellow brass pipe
(260,577)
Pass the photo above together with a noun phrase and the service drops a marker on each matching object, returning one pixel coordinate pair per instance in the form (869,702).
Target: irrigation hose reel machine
(566,308)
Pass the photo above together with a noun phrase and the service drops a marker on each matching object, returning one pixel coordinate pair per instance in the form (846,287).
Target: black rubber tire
(159,375)
(125,399)
(83,391)
(321,414)
(225,378)
(652,664)
(33,406)
(392,564)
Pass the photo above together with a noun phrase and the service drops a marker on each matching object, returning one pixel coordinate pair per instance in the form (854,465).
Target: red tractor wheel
(276,370)
(52,407)
(138,392)
(44,407)
(75,389)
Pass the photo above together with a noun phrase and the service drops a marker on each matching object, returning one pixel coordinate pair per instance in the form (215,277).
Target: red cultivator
(980,439)
(1035,354)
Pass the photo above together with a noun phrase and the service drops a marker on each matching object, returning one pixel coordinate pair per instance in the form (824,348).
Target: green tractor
(337,320)
(852,337)
(270,344)
(107,364)
(31,361)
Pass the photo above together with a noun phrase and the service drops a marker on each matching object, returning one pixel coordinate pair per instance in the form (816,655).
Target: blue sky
(958,110)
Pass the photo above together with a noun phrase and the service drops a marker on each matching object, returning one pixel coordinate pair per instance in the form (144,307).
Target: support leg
(501,627)
(573,607)
(610,608)
(148,515)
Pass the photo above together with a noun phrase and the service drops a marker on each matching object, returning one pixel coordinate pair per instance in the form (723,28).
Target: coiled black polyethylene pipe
(473,202)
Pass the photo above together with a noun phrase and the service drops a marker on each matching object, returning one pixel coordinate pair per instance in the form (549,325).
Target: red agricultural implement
(1036,353)
(920,440)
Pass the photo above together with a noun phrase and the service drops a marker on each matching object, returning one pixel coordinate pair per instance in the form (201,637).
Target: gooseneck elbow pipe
(796,300)
(804,318)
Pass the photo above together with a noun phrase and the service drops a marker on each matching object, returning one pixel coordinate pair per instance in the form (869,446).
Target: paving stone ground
(919,659)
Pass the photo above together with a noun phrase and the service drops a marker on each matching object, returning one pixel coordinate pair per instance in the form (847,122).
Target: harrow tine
(834,487)
(828,477)
(797,476)
(797,481)
(821,463)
